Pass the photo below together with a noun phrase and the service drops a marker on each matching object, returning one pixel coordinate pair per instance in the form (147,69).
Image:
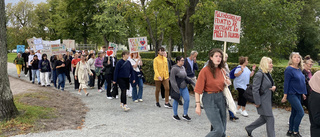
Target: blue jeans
(297,112)
(62,79)
(105,85)
(186,98)
(34,73)
(54,77)
(138,95)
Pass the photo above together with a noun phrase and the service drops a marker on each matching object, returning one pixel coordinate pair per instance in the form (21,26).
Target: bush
(277,75)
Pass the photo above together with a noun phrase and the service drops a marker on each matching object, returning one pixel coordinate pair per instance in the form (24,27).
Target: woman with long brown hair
(211,83)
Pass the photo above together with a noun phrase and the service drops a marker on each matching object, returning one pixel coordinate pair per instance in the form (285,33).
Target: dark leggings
(124,96)
(92,78)
(68,75)
(241,100)
(76,82)
(101,80)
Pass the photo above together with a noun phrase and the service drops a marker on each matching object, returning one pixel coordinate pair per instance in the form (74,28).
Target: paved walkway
(106,118)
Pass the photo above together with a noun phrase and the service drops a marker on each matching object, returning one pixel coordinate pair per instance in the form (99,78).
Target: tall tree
(7,106)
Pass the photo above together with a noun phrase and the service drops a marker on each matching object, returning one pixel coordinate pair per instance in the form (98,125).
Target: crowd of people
(173,77)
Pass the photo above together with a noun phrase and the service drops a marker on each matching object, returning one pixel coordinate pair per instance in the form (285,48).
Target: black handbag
(248,94)
(175,95)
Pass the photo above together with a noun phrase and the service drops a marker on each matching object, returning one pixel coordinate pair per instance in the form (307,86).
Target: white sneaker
(100,90)
(126,108)
(136,101)
(239,111)
(129,96)
(244,113)
(163,98)
(117,96)
(170,98)
(26,75)
(140,100)
(109,98)
(79,93)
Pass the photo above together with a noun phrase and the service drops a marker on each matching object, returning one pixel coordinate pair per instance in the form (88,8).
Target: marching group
(172,79)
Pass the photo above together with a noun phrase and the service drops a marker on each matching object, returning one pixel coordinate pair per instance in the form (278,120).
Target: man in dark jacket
(109,64)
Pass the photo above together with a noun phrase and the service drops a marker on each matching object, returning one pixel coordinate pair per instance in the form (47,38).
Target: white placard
(226,27)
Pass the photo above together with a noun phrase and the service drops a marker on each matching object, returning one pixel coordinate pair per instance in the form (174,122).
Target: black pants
(123,96)
(25,69)
(241,100)
(109,79)
(92,78)
(68,75)
(101,80)
(76,82)
(124,86)
(30,73)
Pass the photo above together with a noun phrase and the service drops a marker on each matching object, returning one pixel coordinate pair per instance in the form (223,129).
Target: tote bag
(229,99)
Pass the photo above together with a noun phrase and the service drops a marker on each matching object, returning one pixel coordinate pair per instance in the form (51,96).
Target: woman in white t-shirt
(136,62)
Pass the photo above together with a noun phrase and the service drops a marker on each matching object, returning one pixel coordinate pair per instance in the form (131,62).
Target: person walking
(179,80)
(61,70)
(294,89)
(109,64)
(54,60)
(91,63)
(243,75)
(170,64)
(30,57)
(98,69)
(191,66)
(161,76)
(68,59)
(19,61)
(74,63)
(122,74)
(81,74)
(25,56)
(307,65)
(314,109)
(232,117)
(45,69)
(136,63)
(35,69)
(211,82)
(263,82)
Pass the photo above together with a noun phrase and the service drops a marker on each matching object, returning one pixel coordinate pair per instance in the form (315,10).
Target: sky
(16,1)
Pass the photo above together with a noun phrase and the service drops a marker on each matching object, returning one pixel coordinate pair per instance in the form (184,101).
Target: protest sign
(69,44)
(226,27)
(114,45)
(51,42)
(58,49)
(39,47)
(138,44)
(30,42)
(20,48)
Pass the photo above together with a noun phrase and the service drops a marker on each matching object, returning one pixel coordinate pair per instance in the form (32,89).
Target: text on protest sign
(138,44)
(58,49)
(226,27)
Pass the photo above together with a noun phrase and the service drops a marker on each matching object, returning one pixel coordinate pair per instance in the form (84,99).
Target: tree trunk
(170,46)
(106,42)
(185,25)
(7,107)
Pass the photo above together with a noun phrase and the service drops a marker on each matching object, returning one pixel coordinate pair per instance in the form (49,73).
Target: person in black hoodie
(45,69)
(314,109)
(109,64)
(61,69)
(35,69)
(25,56)
(68,60)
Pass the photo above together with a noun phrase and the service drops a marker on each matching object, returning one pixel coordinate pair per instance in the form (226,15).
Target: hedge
(277,75)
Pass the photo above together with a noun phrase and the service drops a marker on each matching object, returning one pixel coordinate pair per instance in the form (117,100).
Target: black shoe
(249,134)
(180,102)
(48,85)
(289,133)
(295,135)
(43,85)
(158,105)
(186,117)
(233,118)
(168,105)
(176,117)
(39,83)
(32,82)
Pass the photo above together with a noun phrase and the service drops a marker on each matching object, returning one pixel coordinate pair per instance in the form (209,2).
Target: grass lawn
(11,57)
(28,116)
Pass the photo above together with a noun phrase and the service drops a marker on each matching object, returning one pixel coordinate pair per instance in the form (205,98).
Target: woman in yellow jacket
(19,61)
(161,76)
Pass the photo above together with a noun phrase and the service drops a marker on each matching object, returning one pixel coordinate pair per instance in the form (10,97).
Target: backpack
(248,94)
(231,74)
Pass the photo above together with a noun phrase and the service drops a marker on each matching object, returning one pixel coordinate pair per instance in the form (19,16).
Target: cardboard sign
(226,27)
(57,49)
(69,44)
(20,48)
(115,47)
(138,44)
